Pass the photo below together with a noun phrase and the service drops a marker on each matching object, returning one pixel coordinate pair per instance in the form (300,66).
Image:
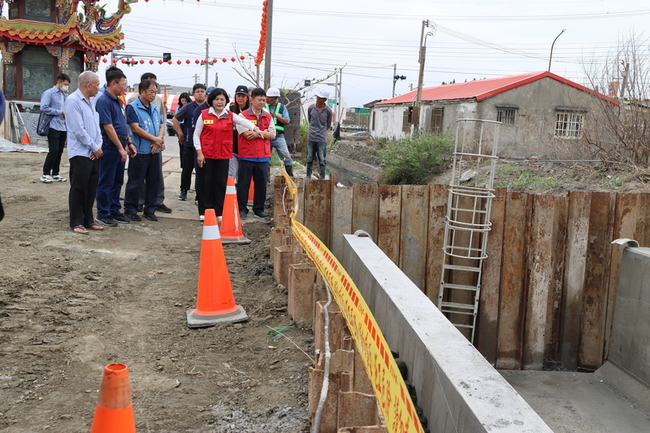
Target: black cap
(242,89)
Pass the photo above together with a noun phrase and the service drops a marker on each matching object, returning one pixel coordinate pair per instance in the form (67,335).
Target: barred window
(506,116)
(568,125)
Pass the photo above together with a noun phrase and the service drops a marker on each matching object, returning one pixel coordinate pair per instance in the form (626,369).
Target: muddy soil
(70,304)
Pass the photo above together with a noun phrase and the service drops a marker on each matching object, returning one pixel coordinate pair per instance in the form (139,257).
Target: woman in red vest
(213,143)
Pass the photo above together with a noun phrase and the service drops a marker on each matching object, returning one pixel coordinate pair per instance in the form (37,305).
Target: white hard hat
(273,92)
(323,93)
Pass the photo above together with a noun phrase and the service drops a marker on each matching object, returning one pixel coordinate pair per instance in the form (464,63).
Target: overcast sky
(471,39)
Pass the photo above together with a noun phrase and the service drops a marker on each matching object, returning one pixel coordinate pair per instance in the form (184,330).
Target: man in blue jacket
(52,104)
(147,129)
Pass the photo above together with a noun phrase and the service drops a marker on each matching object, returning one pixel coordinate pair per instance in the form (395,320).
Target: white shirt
(242,122)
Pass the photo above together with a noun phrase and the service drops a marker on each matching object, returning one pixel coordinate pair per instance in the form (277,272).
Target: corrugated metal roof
(483,89)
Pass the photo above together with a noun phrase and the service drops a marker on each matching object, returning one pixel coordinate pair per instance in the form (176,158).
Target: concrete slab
(577,402)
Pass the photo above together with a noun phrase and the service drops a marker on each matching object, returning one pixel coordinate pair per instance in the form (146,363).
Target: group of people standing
(217,139)
(103,130)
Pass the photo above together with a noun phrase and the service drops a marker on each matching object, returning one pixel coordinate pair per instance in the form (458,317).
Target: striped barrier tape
(390,390)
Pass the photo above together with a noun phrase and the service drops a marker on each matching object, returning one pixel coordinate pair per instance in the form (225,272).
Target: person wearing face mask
(52,103)
(213,143)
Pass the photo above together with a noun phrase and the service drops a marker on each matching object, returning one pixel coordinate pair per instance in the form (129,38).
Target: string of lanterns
(169,62)
(262,47)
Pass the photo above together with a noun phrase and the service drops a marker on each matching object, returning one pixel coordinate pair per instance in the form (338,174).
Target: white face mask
(65,88)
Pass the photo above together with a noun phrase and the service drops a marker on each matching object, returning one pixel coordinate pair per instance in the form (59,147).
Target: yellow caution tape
(391,392)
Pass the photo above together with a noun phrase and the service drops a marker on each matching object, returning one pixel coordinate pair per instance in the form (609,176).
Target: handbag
(43,126)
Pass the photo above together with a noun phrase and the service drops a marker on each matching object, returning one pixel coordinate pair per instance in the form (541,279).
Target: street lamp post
(396,77)
(550,57)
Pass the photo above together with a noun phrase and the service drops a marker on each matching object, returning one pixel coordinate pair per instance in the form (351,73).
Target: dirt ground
(70,304)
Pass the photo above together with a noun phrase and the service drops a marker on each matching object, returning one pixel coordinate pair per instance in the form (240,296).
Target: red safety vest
(216,136)
(258,147)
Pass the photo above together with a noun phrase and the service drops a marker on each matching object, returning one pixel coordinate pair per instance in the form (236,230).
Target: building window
(568,124)
(506,115)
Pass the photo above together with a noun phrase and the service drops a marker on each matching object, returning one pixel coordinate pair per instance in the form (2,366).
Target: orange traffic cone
(215,302)
(251,193)
(114,411)
(25,138)
(231,228)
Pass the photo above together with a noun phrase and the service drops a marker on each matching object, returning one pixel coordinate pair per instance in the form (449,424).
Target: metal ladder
(467,223)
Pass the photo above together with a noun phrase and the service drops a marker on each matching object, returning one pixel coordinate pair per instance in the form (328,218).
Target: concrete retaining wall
(458,390)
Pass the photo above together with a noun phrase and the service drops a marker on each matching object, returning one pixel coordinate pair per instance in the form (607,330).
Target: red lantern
(134,62)
(169,62)
(114,61)
(232,59)
(224,60)
(214,60)
(187,61)
(197,61)
(160,62)
(242,57)
(123,61)
(141,62)
(104,60)
(179,62)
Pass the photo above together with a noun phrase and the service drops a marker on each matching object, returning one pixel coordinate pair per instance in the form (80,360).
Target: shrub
(413,160)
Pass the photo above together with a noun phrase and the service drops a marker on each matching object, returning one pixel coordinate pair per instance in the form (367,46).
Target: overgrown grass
(520,179)
(414,160)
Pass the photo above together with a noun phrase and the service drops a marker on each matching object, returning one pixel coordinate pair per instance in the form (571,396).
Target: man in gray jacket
(319,116)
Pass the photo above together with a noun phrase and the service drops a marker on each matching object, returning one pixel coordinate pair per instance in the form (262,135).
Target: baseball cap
(273,92)
(242,90)
(210,89)
(323,93)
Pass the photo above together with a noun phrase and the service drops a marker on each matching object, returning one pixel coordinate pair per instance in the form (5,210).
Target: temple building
(41,38)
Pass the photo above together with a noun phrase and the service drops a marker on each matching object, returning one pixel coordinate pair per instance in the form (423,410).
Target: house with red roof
(540,112)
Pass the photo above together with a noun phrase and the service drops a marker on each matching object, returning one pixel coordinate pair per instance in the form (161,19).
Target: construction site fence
(549,281)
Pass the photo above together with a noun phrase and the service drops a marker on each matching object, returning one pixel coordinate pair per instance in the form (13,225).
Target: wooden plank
(435,239)
(601,228)
(629,222)
(574,277)
(513,288)
(413,237)
(390,197)
(318,201)
(365,208)
(488,312)
(341,217)
(357,409)
(542,281)
(282,203)
(559,245)
(300,185)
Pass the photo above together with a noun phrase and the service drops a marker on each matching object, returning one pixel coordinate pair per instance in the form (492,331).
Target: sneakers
(58,178)
(133,216)
(183,195)
(107,221)
(243,215)
(119,218)
(46,178)
(150,216)
(164,209)
(261,214)
(201,217)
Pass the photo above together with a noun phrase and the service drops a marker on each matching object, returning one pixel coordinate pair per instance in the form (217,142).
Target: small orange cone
(114,411)
(25,138)
(215,302)
(251,193)
(231,228)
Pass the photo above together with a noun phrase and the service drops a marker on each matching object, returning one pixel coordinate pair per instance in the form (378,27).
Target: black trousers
(84,174)
(144,168)
(55,143)
(213,189)
(259,172)
(188,160)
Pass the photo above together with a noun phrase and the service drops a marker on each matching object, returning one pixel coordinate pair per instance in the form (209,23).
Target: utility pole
(269,43)
(207,57)
(196,78)
(340,95)
(423,52)
(397,77)
(624,74)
